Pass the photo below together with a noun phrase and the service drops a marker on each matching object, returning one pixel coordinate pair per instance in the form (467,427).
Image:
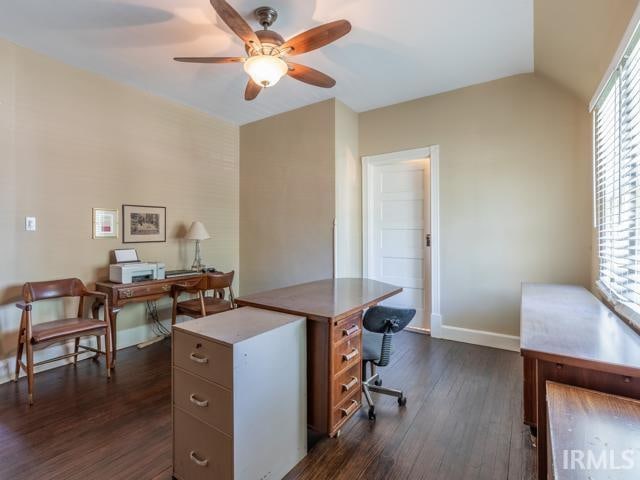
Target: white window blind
(617,180)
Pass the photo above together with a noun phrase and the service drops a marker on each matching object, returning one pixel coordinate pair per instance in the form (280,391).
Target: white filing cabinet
(239,395)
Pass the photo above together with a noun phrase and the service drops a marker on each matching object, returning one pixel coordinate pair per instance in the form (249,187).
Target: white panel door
(399,225)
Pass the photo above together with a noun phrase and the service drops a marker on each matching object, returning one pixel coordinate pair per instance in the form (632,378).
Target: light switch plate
(30,224)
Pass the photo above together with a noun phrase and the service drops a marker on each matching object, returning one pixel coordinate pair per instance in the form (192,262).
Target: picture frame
(105,223)
(144,224)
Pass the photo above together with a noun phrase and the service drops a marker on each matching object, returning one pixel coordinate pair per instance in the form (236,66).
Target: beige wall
(287,202)
(348,180)
(70,141)
(515,190)
(575,40)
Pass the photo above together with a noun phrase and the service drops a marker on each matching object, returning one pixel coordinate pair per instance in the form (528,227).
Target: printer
(129,269)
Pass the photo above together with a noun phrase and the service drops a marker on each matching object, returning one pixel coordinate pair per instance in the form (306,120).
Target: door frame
(368,162)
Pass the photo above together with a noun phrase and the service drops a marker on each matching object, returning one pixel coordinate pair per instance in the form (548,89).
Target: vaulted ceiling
(396,51)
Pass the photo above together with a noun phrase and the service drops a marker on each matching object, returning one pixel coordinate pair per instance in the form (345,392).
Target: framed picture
(141,223)
(105,223)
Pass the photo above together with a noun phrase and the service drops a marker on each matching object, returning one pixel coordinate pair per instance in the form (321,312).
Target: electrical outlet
(30,224)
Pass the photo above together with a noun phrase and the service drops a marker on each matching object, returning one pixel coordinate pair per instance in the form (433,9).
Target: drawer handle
(350,356)
(199,403)
(166,288)
(350,409)
(194,458)
(350,331)
(127,293)
(198,359)
(348,386)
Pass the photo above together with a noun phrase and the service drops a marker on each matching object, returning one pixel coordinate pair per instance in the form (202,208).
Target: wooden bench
(592,435)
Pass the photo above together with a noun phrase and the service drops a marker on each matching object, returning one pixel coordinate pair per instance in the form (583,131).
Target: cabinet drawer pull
(350,409)
(348,386)
(350,331)
(198,359)
(350,356)
(127,293)
(166,288)
(199,403)
(194,458)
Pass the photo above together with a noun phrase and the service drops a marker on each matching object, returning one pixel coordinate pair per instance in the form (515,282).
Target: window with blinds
(617,182)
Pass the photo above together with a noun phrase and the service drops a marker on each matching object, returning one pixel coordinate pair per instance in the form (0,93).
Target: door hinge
(428,239)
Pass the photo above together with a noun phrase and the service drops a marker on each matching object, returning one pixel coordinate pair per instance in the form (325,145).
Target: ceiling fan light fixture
(265,70)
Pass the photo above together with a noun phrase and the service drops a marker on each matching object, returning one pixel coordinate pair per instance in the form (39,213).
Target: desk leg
(113,315)
(541,419)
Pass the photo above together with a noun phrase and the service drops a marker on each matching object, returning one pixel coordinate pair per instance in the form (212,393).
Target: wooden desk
(334,341)
(568,336)
(585,420)
(121,294)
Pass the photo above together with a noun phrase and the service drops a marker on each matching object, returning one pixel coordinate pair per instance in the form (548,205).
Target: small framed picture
(105,223)
(141,223)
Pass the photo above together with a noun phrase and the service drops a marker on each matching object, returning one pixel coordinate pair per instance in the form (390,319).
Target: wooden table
(596,424)
(334,341)
(121,294)
(568,336)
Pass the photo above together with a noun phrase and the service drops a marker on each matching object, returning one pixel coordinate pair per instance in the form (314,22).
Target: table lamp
(197,232)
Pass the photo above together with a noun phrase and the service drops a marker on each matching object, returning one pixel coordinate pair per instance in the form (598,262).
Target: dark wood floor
(463,420)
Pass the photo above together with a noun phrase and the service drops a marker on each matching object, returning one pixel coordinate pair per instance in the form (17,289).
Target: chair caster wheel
(378,382)
(402,401)
(372,413)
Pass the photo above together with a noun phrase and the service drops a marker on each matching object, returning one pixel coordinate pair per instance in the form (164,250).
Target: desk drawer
(349,327)
(207,359)
(346,409)
(204,400)
(346,383)
(144,290)
(199,451)
(346,354)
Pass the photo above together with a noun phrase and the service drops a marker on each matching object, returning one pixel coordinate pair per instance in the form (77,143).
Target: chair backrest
(69,287)
(220,280)
(387,321)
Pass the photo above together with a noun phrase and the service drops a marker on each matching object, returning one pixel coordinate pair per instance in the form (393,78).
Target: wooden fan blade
(209,59)
(252,90)
(310,76)
(235,22)
(317,37)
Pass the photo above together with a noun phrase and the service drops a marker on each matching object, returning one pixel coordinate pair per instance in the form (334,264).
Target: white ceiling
(396,51)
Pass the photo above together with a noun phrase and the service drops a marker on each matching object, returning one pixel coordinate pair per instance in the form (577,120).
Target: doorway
(398,228)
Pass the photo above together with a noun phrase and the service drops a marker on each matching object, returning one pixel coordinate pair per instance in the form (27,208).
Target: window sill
(628,313)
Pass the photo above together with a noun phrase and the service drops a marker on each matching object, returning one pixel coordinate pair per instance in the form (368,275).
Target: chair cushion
(211,304)
(371,345)
(66,327)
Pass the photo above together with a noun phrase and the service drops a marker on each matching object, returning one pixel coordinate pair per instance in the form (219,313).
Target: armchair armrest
(24,306)
(93,293)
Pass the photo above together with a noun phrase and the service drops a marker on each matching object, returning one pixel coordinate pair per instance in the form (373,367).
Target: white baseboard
(126,338)
(480,337)
(423,331)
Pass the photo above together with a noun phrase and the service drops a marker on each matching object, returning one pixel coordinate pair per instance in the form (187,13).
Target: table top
(324,299)
(235,326)
(596,422)
(567,324)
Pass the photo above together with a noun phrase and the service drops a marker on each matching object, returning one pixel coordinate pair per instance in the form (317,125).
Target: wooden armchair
(204,305)
(30,336)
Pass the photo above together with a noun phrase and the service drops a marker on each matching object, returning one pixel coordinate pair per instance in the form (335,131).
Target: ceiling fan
(267,51)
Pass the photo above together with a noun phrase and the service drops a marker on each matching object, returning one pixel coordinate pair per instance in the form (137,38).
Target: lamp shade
(197,232)
(265,70)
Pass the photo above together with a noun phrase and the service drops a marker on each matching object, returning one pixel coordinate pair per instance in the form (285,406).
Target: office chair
(380,324)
